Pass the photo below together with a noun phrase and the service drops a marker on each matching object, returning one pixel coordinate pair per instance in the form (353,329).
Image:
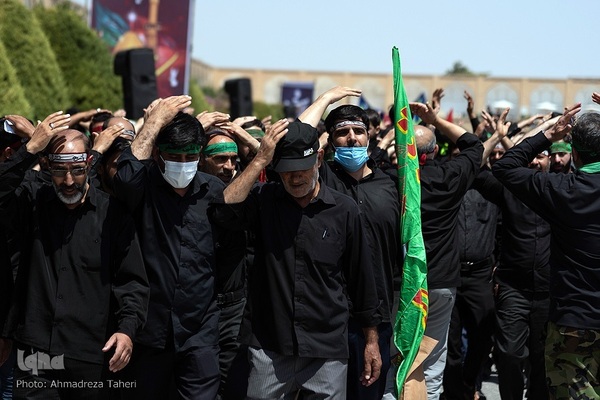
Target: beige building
(524,95)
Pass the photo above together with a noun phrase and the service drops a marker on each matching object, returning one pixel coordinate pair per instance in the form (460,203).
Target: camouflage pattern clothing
(572,361)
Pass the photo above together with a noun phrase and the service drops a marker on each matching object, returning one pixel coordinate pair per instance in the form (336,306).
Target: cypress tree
(83,58)
(30,54)
(13,99)
(199,102)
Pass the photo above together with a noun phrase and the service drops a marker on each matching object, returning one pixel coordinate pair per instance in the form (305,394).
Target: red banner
(164,26)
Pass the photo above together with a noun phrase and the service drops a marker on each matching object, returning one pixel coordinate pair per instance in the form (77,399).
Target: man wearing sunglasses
(81,291)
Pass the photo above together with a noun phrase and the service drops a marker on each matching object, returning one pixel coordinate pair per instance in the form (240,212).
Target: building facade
(525,96)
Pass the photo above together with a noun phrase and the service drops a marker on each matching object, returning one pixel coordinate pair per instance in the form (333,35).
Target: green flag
(414,300)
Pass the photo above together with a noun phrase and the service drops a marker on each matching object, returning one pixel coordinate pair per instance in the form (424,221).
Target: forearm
(312,115)
(237,191)
(371,335)
(142,145)
(448,129)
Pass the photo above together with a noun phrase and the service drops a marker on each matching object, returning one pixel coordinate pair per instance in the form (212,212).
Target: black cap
(297,150)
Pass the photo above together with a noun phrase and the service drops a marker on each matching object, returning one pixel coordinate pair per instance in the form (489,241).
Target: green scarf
(591,168)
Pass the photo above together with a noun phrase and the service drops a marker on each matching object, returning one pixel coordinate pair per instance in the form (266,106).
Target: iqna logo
(39,361)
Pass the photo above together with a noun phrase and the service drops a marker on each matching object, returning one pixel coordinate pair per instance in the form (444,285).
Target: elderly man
(355,174)
(312,262)
(81,290)
(570,204)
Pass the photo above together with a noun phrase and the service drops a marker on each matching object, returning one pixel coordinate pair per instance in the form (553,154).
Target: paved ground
(490,386)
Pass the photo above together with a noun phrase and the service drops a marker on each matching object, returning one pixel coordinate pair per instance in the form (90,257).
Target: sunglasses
(62,172)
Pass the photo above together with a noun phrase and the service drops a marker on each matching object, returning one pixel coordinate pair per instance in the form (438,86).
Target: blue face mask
(351,158)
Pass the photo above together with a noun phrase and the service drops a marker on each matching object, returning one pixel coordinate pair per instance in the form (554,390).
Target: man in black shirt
(522,297)
(355,174)
(570,203)
(219,158)
(158,178)
(312,265)
(80,278)
(442,189)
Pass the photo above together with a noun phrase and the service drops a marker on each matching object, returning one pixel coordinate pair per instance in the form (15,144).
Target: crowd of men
(195,257)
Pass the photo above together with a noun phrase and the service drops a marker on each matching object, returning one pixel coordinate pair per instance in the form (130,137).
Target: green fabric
(414,300)
(591,168)
(219,148)
(256,133)
(189,149)
(560,147)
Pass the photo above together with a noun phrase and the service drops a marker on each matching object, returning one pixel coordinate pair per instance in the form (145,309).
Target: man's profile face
(351,135)
(560,162)
(541,162)
(107,172)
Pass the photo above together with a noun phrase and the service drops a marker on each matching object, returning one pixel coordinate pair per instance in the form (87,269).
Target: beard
(70,199)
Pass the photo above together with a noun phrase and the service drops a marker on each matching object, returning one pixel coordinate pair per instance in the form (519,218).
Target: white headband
(344,123)
(68,157)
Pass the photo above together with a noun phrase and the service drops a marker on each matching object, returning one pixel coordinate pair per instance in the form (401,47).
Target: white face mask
(179,174)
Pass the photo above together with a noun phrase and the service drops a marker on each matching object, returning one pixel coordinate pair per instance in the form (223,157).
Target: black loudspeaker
(136,68)
(240,97)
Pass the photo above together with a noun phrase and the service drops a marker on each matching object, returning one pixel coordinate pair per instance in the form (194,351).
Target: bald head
(69,141)
(425,139)
(127,126)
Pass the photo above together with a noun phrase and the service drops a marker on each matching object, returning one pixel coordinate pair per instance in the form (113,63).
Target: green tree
(458,68)
(33,59)
(262,110)
(13,96)
(199,102)
(83,58)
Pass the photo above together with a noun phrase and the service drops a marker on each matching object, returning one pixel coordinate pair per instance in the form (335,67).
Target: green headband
(189,149)
(560,147)
(218,148)
(256,133)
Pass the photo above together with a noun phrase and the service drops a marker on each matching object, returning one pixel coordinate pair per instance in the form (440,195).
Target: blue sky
(509,38)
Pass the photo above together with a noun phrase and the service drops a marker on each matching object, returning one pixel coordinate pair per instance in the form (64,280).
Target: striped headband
(344,123)
(68,157)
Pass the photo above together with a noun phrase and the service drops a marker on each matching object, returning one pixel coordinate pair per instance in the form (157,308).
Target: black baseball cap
(297,150)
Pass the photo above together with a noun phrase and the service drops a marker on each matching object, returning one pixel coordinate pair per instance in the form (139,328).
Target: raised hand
(46,130)
(564,124)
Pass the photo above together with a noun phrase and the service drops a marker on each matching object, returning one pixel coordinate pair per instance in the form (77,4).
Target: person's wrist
(32,148)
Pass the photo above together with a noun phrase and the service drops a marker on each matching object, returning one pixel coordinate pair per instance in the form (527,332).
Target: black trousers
(157,372)
(356,343)
(474,312)
(230,322)
(521,319)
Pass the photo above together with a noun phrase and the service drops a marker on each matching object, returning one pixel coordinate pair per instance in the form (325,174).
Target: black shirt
(525,254)
(178,247)
(571,205)
(310,262)
(377,199)
(476,228)
(81,276)
(442,188)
